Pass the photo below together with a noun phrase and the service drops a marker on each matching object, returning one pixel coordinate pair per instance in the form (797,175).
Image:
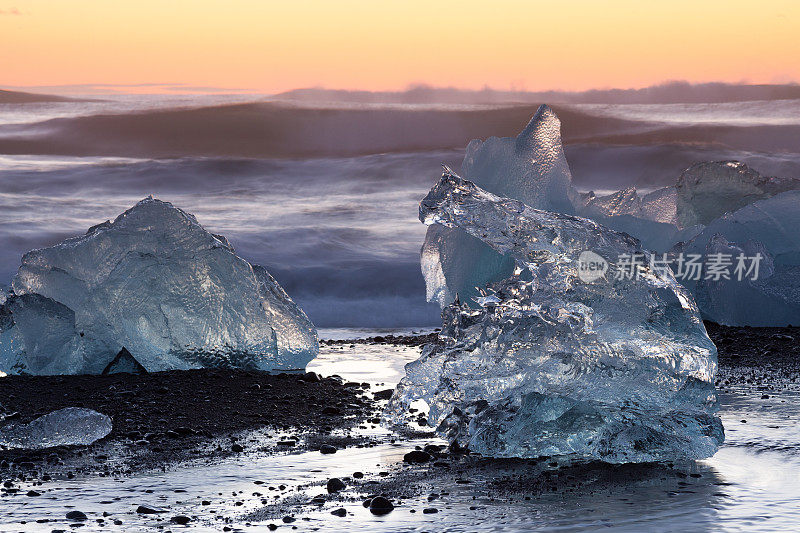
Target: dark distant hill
(17,97)
(667,93)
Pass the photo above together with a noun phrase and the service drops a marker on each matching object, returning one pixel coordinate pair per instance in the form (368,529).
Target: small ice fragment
(624,202)
(124,363)
(66,427)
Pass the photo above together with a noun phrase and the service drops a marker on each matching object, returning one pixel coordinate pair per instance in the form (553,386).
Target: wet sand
(166,417)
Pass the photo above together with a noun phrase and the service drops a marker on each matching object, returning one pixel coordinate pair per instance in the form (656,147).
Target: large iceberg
(157,283)
(564,356)
(531,168)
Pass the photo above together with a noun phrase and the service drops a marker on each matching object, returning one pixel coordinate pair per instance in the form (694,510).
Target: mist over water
(326,196)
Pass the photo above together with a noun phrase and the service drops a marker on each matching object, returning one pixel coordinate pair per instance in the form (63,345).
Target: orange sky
(266,46)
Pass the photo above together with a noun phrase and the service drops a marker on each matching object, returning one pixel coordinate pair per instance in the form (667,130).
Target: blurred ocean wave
(325,196)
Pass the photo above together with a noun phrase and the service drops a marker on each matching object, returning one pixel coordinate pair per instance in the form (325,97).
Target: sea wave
(276,129)
(326,197)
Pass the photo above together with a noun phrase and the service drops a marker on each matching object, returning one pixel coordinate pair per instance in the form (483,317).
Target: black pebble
(76,515)
(145,509)
(335,485)
(380,505)
(417,456)
(310,377)
(383,394)
(327,448)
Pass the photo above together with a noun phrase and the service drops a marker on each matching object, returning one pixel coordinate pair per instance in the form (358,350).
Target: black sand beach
(164,419)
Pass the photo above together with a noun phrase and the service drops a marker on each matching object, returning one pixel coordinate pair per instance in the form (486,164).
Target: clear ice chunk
(766,294)
(531,168)
(66,427)
(562,357)
(770,300)
(705,191)
(156,282)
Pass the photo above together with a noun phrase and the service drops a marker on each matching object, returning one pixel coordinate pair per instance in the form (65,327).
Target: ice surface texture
(531,168)
(620,370)
(157,283)
(65,427)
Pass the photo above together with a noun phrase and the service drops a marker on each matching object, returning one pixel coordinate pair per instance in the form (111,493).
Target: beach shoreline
(174,420)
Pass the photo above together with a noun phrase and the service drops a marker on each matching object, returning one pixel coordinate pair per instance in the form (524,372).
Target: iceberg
(705,191)
(708,198)
(702,193)
(563,357)
(772,221)
(70,426)
(531,168)
(765,289)
(743,301)
(721,207)
(157,283)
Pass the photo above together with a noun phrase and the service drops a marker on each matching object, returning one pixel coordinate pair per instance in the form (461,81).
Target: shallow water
(752,483)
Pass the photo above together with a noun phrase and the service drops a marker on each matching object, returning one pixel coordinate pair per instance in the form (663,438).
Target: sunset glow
(267,46)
